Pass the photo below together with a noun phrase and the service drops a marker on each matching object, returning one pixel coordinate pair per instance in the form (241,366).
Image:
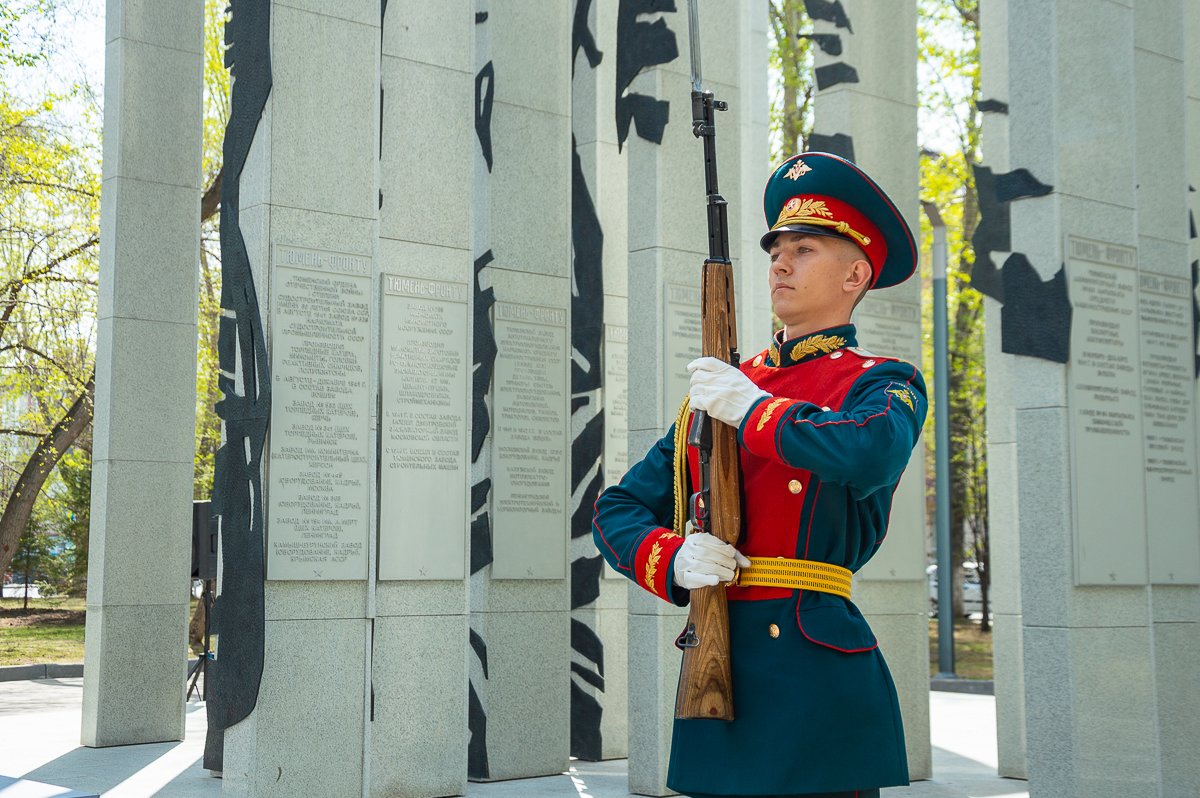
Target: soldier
(825,430)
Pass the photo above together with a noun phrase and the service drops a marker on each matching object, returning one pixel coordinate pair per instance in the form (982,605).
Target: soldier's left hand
(721,390)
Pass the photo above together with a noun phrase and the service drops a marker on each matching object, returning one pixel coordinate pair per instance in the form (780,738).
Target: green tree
(49,236)
(791,59)
(948,42)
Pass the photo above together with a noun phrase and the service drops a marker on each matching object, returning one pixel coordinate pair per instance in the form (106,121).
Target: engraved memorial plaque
(1169,429)
(616,410)
(682,344)
(893,329)
(423,491)
(1104,396)
(530,453)
(889,328)
(320,415)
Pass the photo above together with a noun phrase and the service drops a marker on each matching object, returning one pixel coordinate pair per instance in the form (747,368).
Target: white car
(13,590)
(972,590)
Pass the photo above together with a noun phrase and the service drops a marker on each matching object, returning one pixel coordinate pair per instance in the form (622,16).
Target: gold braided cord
(681,465)
(796,574)
(842,227)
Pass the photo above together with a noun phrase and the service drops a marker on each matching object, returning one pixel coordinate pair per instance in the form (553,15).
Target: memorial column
(418,676)
(992,244)
(1094,313)
(599,384)
(520,589)
(1167,350)
(308,216)
(865,110)
(667,246)
(145,409)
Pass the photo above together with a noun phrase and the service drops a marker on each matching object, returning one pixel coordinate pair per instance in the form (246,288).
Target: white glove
(703,561)
(721,390)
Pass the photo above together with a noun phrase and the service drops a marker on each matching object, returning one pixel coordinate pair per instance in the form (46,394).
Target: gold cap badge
(799,169)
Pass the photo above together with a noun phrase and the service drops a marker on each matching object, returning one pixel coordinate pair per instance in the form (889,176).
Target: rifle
(705,680)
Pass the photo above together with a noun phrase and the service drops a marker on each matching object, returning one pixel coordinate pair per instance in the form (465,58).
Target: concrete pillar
(753,114)
(866,110)
(599,385)
(309,217)
(1003,508)
(1104,511)
(138,577)
(419,655)
(520,600)
(667,246)
(1168,370)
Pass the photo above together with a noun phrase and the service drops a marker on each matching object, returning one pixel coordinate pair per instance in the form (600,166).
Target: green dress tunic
(816,709)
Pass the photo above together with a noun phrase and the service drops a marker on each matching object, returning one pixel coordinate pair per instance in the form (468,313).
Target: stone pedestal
(136,637)
(866,110)
(520,595)
(1095,298)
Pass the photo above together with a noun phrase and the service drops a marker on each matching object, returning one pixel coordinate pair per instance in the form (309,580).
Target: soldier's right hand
(703,561)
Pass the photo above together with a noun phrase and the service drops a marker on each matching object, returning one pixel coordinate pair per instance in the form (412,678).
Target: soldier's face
(808,279)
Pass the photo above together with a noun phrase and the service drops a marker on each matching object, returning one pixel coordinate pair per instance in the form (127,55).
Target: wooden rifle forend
(706,680)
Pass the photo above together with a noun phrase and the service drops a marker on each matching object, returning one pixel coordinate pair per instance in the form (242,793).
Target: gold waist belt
(795,574)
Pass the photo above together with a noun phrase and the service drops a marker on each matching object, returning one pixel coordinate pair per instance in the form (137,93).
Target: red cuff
(652,563)
(760,428)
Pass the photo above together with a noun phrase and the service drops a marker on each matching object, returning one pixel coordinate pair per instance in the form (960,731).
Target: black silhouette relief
(1018,184)
(587,665)
(993,233)
(485,358)
(830,43)
(828,11)
(484,98)
(641,45)
(477,756)
(832,75)
(1195,283)
(1036,317)
(837,144)
(481,526)
(991,106)
(587,417)
(1196,310)
(582,38)
(585,578)
(238,612)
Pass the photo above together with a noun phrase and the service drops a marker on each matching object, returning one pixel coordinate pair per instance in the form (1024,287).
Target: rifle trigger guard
(687,638)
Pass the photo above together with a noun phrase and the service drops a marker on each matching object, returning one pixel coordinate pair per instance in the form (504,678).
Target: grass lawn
(51,630)
(972,649)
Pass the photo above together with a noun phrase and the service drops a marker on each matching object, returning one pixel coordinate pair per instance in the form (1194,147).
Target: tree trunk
(50,449)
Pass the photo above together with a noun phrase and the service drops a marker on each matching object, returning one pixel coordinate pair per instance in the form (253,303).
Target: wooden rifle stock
(705,680)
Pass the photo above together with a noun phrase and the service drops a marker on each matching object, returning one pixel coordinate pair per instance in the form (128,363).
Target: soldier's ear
(858,278)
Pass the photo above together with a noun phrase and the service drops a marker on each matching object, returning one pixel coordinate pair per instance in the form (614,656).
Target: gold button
(758,360)
(773,630)
(835,355)
(794,486)
(868,364)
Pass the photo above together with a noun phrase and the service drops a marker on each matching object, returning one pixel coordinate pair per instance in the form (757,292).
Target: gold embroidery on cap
(799,169)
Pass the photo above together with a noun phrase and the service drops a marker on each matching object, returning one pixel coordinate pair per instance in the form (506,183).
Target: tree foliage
(791,59)
(949,91)
(49,244)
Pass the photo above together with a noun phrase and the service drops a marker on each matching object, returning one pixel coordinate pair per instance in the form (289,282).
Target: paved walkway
(39,730)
